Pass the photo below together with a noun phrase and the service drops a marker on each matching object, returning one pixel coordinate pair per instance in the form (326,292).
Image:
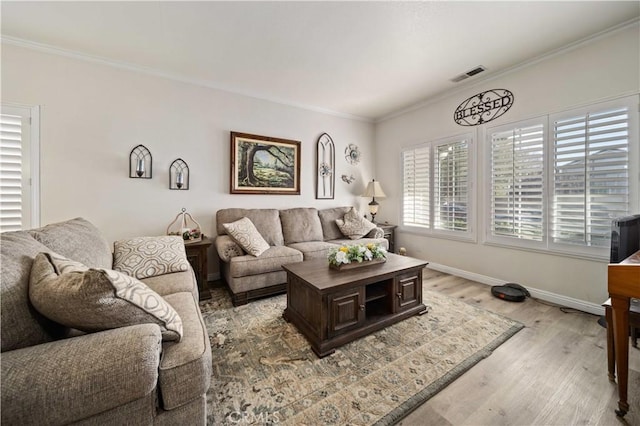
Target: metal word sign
(483,107)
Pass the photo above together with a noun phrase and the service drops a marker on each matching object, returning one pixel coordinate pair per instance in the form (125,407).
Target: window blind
(415,184)
(591,176)
(517,183)
(451,175)
(11,172)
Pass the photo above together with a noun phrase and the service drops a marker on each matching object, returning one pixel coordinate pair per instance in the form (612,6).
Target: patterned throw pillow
(145,257)
(353,225)
(73,295)
(247,236)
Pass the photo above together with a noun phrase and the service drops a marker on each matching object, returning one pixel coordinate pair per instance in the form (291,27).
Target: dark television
(625,237)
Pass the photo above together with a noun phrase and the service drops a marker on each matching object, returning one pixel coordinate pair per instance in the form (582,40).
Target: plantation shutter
(415,184)
(451,176)
(15,194)
(591,176)
(517,183)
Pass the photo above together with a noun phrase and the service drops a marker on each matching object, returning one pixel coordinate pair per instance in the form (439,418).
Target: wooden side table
(389,234)
(197,257)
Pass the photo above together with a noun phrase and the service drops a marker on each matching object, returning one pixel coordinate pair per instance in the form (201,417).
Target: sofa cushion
(313,249)
(300,225)
(21,325)
(270,261)
(176,282)
(144,257)
(96,299)
(185,367)
(76,239)
(353,225)
(266,221)
(247,236)
(328,218)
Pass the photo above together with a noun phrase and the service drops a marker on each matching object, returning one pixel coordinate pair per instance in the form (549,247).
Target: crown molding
(46,48)
(529,62)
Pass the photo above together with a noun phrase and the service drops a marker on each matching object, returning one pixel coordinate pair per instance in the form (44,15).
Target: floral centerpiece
(356,254)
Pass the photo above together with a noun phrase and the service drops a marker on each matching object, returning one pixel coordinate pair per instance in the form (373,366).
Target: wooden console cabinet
(332,307)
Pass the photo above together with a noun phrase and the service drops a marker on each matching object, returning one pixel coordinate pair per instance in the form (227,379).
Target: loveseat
(53,374)
(292,235)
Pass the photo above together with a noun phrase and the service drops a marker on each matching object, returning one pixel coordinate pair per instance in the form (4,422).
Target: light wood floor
(553,372)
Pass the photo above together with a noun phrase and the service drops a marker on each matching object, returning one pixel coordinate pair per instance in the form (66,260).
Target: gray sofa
(52,375)
(293,235)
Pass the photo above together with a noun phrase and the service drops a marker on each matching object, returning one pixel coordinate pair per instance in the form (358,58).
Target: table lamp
(374,190)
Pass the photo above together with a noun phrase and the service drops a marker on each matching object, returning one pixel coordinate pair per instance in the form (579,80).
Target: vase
(355,265)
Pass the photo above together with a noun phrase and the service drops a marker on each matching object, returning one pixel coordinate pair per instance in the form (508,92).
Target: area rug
(264,371)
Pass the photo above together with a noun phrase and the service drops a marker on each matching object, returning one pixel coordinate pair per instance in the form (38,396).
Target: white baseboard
(548,296)
(213,277)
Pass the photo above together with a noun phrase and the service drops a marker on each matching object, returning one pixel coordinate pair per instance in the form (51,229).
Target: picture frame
(264,165)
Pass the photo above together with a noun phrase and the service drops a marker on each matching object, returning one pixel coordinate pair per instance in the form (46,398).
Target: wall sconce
(374,190)
(179,175)
(140,163)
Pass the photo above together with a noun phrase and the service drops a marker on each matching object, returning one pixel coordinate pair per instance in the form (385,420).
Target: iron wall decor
(483,107)
(179,175)
(140,163)
(325,166)
(264,165)
(352,154)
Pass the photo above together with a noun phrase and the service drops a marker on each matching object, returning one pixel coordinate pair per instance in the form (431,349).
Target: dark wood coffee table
(333,307)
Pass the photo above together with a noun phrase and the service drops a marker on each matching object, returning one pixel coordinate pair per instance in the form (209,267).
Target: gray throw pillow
(71,294)
(353,225)
(247,236)
(145,257)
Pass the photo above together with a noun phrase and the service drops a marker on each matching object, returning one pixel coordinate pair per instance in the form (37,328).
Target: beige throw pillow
(247,236)
(71,294)
(353,225)
(145,257)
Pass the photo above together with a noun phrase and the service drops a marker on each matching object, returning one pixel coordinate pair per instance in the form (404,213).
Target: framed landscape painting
(264,165)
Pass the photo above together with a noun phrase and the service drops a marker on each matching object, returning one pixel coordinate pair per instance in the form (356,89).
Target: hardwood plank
(553,372)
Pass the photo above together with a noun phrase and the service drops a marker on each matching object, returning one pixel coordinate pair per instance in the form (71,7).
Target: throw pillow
(145,257)
(247,236)
(91,300)
(353,225)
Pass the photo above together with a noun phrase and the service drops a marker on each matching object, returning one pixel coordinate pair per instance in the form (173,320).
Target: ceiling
(360,59)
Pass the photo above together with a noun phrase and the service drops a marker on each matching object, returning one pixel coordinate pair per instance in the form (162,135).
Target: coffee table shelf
(332,307)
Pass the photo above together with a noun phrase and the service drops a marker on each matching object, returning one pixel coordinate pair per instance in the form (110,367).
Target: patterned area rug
(264,371)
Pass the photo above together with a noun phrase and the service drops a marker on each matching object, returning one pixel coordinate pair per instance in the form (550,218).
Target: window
(558,186)
(591,175)
(18,168)
(517,182)
(436,187)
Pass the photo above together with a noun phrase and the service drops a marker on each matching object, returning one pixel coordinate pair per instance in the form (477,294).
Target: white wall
(93,115)
(603,68)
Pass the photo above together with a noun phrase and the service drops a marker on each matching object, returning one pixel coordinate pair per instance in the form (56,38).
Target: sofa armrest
(227,248)
(376,233)
(72,379)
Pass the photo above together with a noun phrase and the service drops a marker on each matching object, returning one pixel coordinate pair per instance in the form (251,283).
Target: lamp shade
(374,190)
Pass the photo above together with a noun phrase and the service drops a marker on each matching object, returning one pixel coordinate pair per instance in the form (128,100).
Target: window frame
(548,120)
(470,235)
(31,168)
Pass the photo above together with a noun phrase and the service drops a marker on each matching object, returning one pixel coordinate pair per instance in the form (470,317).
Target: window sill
(466,237)
(596,257)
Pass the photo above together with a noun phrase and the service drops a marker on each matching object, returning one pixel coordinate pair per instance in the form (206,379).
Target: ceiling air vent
(470,73)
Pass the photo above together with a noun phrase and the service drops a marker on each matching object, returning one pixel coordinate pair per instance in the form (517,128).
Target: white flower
(361,249)
(368,255)
(341,257)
